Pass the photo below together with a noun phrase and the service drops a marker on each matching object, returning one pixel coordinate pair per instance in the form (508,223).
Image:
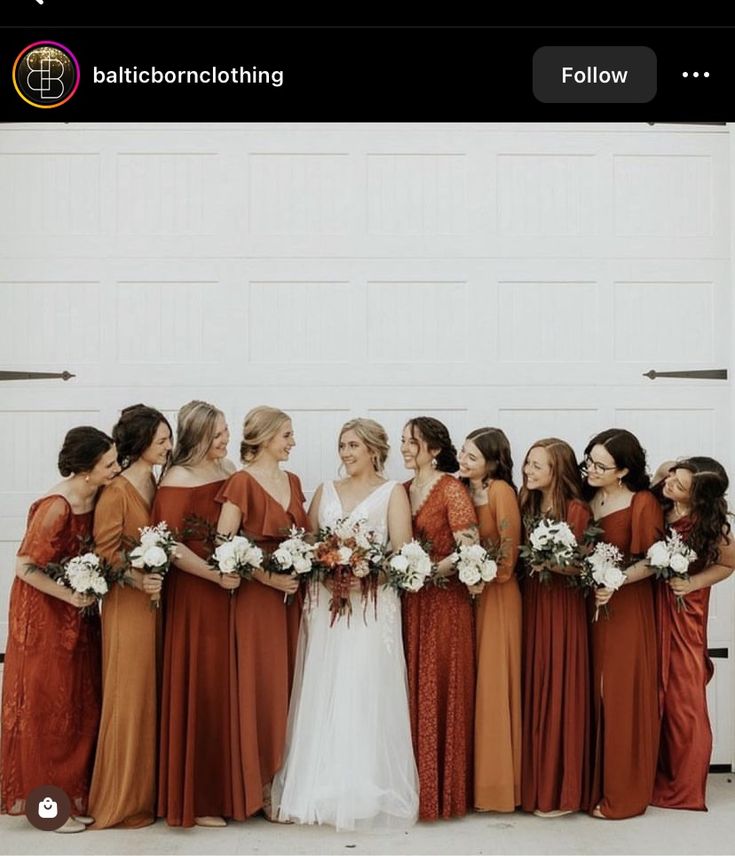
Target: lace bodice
(373,509)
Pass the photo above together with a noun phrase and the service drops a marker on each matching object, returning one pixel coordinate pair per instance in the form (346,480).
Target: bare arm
(399,518)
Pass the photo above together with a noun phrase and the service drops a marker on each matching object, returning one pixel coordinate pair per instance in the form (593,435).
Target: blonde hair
(260,427)
(195,429)
(374,436)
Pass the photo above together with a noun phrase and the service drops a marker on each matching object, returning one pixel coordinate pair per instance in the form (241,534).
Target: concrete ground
(658,831)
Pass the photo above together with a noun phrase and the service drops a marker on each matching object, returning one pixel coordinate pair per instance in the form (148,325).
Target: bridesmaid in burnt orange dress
(123,788)
(194,774)
(694,498)
(52,659)
(263,502)
(438,627)
(625,720)
(556,707)
(486,465)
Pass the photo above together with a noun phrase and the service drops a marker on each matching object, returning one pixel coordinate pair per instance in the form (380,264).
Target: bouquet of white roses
(153,553)
(237,555)
(551,544)
(85,574)
(602,569)
(474,564)
(346,552)
(671,558)
(409,568)
(294,556)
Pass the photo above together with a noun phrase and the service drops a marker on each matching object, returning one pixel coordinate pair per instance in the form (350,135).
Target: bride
(349,757)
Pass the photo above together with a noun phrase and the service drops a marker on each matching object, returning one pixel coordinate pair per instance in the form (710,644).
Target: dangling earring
(433,463)
(125,463)
(620,481)
(86,478)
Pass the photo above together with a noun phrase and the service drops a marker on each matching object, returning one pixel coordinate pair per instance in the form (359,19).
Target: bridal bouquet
(474,564)
(237,555)
(294,556)
(602,569)
(409,568)
(346,553)
(153,553)
(86,574)
(552,544)
(671,558)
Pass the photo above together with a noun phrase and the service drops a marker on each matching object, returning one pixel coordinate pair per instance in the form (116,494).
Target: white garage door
(523,276)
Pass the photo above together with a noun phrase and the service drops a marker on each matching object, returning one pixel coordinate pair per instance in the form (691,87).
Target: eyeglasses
(589,464)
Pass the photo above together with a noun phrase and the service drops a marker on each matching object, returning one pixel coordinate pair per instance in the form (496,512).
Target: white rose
(99,585)
(225,553)
(302,565)
(136,558)
(609,577)
(413,583)
(539,540)
(469,575)
(283,557)
(149,539)
(476,552)
(345,554)
(423,566)
(90,559)
(488,570)
(412,550)
(658,555)
(399,563)
(155,557)
(679,564)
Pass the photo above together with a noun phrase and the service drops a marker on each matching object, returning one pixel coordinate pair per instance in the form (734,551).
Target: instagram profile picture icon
(48,807)
(46,74)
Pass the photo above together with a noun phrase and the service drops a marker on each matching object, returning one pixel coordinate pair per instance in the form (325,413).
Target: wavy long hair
(494,447)
(627,452)
(566,481)
(709,514)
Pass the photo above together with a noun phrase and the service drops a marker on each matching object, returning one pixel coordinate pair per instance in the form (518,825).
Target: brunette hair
(195,429)
(566,481)
(374,436)
(260,427)
(495,449)
(627,452)
(82,448)
(709,514)
(134,431)
(436,436)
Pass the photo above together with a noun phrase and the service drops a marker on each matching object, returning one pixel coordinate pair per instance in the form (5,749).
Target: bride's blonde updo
(373,435)
(260,427)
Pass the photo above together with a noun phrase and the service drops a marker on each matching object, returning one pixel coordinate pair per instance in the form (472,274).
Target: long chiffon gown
(51,678)
(438,633)
(686,669)
(556,686)
(624,673)
(123,791)
(264,635)
(498,692)
(194,770)
(349,760)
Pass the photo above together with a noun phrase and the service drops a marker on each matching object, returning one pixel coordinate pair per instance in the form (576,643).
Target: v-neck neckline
(361,502)
(285,508)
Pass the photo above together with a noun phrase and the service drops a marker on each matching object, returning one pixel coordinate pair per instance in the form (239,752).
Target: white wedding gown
(349,757)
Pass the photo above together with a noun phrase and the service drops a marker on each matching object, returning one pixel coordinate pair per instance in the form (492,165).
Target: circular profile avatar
(46,74)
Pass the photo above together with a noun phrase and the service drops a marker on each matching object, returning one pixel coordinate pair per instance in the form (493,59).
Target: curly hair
(134,431)
(709,514)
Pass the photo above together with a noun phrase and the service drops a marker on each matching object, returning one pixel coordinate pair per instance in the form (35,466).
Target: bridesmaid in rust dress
(625,723)
(123,791)
(485,463)
(263,502)
(694,498)
(194,772)
(438,627)
(556,708)
(52,658)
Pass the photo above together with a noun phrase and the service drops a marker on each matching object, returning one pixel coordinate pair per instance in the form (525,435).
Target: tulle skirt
(349,757)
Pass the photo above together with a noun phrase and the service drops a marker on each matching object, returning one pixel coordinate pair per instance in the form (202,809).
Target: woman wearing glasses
(624,681)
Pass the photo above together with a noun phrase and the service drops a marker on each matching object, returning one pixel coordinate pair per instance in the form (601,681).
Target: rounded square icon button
(595,75)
